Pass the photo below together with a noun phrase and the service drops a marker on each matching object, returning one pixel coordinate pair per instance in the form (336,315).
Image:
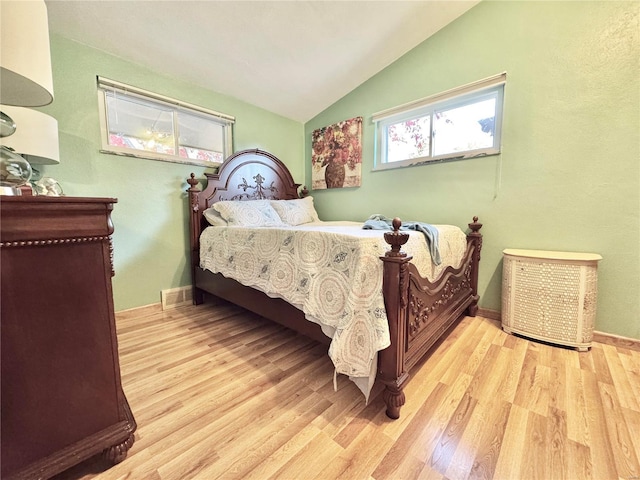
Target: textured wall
(568,177)
(151,242)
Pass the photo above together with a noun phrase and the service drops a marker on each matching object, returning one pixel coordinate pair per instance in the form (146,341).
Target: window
(142,124)
(460,123)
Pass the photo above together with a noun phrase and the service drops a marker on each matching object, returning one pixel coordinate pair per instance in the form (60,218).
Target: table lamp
(26,80)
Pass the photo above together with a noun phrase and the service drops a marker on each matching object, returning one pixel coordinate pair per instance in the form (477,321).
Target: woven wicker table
(550,296)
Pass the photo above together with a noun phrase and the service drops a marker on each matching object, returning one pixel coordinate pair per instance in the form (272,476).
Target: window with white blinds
(463,122)
(143,124)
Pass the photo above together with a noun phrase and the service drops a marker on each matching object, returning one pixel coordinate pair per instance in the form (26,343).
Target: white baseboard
(176,297)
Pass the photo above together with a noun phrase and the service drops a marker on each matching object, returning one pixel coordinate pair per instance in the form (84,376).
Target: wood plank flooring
(220,393)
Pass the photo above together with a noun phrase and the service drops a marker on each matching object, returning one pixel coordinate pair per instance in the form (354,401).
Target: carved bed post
(475,237)
(391,369)
(195,228)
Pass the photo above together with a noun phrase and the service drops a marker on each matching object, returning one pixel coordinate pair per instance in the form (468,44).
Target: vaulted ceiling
(293,58)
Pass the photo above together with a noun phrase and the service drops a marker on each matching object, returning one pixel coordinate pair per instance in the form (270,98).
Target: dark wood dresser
(61,393)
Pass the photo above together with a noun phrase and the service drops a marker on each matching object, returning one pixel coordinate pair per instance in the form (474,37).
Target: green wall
(151,242)
(568,177)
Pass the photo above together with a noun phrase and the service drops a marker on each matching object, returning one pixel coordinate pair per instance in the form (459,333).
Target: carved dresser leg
(117,453)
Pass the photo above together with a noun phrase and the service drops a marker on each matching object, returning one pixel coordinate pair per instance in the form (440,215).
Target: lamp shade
(25,56)
(36,136)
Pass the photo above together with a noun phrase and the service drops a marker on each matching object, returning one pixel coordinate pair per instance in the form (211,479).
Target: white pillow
(250,213)
(214,218)
(296,212)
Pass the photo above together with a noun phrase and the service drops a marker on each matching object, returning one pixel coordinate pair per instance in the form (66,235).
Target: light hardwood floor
(221,393)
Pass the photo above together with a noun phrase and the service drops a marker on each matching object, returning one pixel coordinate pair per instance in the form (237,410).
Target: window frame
(105,85)
(491,87)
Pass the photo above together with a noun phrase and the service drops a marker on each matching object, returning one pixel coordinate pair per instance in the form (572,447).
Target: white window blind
(488,82)
(139,123)
(462,122)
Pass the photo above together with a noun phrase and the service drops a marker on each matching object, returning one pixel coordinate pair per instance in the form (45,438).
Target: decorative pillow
(250,213)
(296,212)
(214,218)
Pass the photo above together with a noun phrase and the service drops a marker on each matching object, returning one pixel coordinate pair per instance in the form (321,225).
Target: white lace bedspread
(332,272)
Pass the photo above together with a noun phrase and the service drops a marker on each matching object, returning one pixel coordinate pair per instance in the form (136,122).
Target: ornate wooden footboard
(419,312)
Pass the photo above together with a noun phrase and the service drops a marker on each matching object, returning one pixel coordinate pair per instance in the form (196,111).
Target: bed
(413,311)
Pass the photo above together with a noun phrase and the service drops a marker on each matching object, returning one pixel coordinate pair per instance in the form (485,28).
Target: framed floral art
(336,155)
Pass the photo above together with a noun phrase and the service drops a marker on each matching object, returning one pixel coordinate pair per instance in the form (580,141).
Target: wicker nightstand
(550,296)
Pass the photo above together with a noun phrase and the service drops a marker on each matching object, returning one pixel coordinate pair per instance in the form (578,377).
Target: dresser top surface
(40,199)
(24,219)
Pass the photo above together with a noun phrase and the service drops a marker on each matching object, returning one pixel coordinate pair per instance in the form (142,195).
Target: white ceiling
(294,58)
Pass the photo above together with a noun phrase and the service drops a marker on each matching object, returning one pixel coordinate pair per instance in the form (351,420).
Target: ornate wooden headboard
(246,175)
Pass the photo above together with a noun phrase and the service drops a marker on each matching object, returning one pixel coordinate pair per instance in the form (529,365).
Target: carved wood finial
(396,239)
(475,226)
(476,236)
(193,181)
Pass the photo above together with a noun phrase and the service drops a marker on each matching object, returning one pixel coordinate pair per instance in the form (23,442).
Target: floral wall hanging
(336,155)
